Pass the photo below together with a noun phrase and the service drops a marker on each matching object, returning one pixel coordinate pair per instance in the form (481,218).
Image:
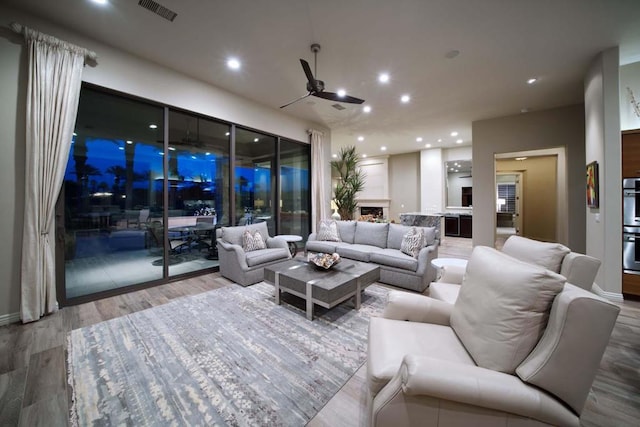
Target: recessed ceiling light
(383,78)
(419,139)
(207,153)
(439,139)
(405,98)
(255,140)
(227,134)
(366,109)
(361,138)
(383,148)
(152,126)
(532,81)
(454,133)
(364,156)
(458,141)
(161,153)
(335,156)
(521,158)
(233,63)
(427,145)
(129,142)
(120,148)
(100,1)
(75,134)
(193,157)
(341,93)
(172,148)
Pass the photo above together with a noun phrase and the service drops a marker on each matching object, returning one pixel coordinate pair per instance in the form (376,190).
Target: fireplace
(375,211)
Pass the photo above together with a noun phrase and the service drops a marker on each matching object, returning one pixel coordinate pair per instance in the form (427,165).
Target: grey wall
(119,71)
(602,144)
(559,127)
(404,184)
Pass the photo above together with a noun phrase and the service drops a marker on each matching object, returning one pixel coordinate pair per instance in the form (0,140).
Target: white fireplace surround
(374,203)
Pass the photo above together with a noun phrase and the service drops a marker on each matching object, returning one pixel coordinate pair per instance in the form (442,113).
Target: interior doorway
(539,209)
(509,210)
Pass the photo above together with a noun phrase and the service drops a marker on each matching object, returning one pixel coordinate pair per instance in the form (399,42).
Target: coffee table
(327,288)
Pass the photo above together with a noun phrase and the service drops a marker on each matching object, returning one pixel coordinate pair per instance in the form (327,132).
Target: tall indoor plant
(350,181)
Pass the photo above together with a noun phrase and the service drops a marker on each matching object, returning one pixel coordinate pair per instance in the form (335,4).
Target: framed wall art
(592,185)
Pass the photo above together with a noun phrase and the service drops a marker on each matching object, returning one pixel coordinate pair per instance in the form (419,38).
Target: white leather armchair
(502,355)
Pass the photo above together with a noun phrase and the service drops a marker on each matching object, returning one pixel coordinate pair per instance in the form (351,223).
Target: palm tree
(350,181)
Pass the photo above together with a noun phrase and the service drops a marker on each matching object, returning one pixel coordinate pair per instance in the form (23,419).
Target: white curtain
(318,179)
(53,90)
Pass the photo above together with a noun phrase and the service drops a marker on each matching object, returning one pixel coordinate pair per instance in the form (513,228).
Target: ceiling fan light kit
(315,87)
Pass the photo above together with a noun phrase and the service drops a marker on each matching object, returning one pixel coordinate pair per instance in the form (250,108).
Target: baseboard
(6,319)
(611,296)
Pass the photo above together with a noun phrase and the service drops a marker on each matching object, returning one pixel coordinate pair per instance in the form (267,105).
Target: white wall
(602,144)
(122,72)
(431,180)
(376,185)
(629,78)
(404,184)
(559,127)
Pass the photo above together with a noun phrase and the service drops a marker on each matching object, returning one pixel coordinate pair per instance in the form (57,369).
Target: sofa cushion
(233,235)
(321,246)
(252,241)
(346,230)
(391,340)
(328,231)
(372,233)
(394,258)
(357,252)
(502,308)
(412,242)
(544,254)
(395,235)
(262,256)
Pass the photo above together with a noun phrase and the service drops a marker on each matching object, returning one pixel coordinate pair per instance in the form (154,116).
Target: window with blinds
(506,198)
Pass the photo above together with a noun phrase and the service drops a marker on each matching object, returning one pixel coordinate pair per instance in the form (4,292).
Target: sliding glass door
(146,187)
(111,194)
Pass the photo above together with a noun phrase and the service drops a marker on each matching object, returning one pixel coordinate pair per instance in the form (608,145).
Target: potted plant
(350,181)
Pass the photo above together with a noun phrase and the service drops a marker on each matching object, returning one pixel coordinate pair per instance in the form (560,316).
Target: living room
(565,125)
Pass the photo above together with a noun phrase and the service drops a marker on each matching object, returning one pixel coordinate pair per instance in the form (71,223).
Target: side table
(291,239)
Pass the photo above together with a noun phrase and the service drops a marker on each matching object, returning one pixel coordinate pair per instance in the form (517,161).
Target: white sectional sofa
(380,243)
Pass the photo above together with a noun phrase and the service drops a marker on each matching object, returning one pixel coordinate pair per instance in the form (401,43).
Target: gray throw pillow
(503,308)
(328,231)
(412,242)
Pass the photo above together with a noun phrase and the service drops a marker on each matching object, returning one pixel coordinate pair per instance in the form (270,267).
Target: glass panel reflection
(294,188)
(198,190)
(253,180)
(109,194)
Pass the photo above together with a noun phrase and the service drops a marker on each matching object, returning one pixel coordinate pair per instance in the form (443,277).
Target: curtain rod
(88,54)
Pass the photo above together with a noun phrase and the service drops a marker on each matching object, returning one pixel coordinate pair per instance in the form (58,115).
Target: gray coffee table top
(328,285)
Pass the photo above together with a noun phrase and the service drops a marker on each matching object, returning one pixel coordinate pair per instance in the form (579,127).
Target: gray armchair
(247,268)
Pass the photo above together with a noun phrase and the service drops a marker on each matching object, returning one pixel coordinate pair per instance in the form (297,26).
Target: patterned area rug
(225,357)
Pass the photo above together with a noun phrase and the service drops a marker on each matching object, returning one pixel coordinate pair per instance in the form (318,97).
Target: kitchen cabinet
(458,225)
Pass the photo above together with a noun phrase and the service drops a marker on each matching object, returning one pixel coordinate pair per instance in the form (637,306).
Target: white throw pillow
(503,308)
(252,242)
(328,231)
(412,242)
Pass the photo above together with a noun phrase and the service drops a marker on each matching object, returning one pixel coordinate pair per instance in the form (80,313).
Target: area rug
(225,357)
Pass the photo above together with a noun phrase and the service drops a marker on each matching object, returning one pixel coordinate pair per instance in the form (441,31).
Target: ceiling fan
(315,87)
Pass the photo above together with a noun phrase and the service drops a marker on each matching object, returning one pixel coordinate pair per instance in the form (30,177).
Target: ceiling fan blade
(335,97)
(307,70)
(296,100)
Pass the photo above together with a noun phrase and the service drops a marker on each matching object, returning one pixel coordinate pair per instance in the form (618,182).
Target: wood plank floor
(33,382)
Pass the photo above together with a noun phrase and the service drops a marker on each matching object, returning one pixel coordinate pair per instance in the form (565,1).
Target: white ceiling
(502,43)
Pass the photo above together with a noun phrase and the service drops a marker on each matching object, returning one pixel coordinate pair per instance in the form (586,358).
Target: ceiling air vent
(158,9)
(338,107)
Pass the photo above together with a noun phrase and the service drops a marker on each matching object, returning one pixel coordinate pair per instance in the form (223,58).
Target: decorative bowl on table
(324,261)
